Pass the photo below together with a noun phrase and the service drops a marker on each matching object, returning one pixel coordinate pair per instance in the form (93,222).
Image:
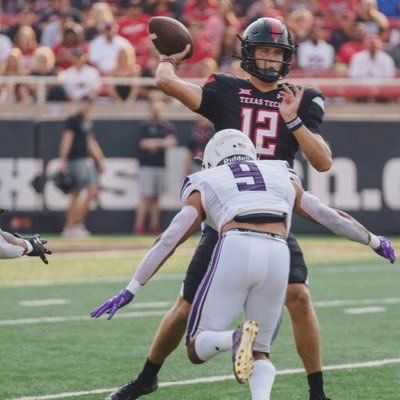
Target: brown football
(169,36)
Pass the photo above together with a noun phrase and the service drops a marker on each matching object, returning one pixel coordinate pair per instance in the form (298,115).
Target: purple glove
(112,305)
(386,249)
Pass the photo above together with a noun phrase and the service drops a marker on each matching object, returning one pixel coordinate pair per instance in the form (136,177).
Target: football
(169,36)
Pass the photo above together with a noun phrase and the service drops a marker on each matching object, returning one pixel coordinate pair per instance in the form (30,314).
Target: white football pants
(248,271)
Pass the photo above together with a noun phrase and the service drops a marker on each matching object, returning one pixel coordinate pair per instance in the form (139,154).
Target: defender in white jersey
(250,204)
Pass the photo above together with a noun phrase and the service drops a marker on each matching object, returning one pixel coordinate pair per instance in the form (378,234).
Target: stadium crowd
(80,41)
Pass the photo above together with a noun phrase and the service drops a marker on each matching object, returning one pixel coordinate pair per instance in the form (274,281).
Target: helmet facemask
(266,74)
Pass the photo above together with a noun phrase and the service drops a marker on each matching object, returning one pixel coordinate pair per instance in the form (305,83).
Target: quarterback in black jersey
(231,102)
(280,119)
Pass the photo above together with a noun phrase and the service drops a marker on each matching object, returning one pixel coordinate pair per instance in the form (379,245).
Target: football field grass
(51,349)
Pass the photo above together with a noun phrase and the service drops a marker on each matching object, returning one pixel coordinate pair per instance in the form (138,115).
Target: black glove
(39,249)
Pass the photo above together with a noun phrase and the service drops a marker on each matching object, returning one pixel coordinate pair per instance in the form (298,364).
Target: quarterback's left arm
(312,144)
(340,223)
(314,148)
(180,228)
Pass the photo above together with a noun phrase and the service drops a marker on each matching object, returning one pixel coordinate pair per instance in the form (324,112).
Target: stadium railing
(348,88)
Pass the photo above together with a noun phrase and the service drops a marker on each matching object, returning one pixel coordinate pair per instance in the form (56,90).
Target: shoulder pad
(310,93)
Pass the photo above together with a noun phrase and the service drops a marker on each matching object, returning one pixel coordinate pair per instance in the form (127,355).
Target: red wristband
(169,60)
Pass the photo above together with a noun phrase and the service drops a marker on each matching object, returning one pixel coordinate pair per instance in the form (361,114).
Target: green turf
(84,355)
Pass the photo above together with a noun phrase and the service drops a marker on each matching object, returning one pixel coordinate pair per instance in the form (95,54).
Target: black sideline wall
(364,179)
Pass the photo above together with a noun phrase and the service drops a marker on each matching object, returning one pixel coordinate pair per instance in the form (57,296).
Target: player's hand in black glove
(38,245)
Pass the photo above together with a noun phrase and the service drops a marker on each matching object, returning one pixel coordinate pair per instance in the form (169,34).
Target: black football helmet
(266,32)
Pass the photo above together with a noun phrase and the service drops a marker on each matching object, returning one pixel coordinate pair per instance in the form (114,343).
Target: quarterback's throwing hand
(386,249)
(112,305)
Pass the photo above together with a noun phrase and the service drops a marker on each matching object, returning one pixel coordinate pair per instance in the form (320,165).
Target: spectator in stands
(126,68)
(289,6)
(133,25)
(300,23)
(155,137)
(333,8)
(263,8)
(375,21)
(217,24)
(394,35)
(342,32)
(315,53)
(100,14)
(198,10)
(167,8)
(10,92)
(9,7)
(53,22)
(202,132)
(81,80)
(104,49)
(372,62)
(5,47)
(25,17)
(202,49)
(72,38)
(25,40)
(44,65)
(393,49)
(229,45)
(241,7)
(58,7)
(81,156)
(356,44)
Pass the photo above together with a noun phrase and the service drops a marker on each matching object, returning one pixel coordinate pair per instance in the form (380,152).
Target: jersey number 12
(269,130)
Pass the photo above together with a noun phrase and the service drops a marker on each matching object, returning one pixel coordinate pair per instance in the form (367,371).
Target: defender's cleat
(133,390)
(242,350)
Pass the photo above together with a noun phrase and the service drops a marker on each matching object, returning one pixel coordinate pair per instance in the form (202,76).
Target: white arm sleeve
(167,243)
(328,217)
(8,250)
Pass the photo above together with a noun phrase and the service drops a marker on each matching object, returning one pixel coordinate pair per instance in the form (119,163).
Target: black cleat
(133,390)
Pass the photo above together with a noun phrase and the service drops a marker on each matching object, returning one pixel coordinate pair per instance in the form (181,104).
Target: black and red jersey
(230,102)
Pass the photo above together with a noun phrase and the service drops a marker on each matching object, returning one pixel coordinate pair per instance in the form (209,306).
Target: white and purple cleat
(242,350)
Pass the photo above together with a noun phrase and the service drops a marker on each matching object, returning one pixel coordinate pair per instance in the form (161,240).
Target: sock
(261,380)
(149,372)
(209,343)
(316,383)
